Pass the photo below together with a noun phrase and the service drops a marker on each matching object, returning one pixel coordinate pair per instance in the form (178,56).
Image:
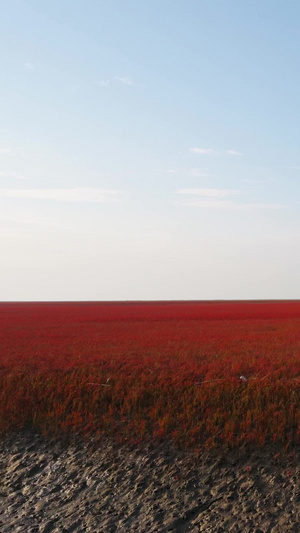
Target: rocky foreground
(48,487)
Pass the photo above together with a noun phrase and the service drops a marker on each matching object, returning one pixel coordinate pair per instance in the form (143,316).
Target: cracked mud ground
(48,487)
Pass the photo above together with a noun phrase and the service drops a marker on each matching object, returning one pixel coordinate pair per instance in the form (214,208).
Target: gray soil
(48,487)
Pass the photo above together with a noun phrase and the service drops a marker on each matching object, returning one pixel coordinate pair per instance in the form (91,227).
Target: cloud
(16,150)
(233,152)
(14,175)
(261,205)
(124,79)
(263,180)
(195,172)
(217,199)
(200,173)
(19,221)
(204,151)
(29,66)
(211,151)
(208,193)
(208,203)
(104,83)
(229,205)
(250,180)
(79,194)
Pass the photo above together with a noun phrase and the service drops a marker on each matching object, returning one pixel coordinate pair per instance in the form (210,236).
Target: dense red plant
(153,370)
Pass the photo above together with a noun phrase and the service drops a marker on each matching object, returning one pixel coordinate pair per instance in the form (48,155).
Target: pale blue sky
(149,149)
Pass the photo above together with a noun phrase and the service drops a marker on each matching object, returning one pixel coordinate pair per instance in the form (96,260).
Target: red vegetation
(153,370)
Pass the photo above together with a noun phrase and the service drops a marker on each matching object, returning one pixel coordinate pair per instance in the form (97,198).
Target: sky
(149,150)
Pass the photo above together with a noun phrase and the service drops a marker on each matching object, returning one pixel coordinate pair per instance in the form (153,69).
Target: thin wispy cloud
(200,173)
(104,83)
(12,151)
(20,220)
(208,203)
(13,175)
(29,66)
(256,181)
(229,205)
(233,152)
(124,79)
(108,82)
(212,152)
(214,198)
(262,205)
(211,193)
(79,194)
(204,151)
(194,172)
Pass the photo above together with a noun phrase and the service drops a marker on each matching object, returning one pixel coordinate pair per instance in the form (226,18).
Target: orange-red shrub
(153,370)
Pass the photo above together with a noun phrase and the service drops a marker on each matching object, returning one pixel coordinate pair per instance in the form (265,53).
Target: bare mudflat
(54,487)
